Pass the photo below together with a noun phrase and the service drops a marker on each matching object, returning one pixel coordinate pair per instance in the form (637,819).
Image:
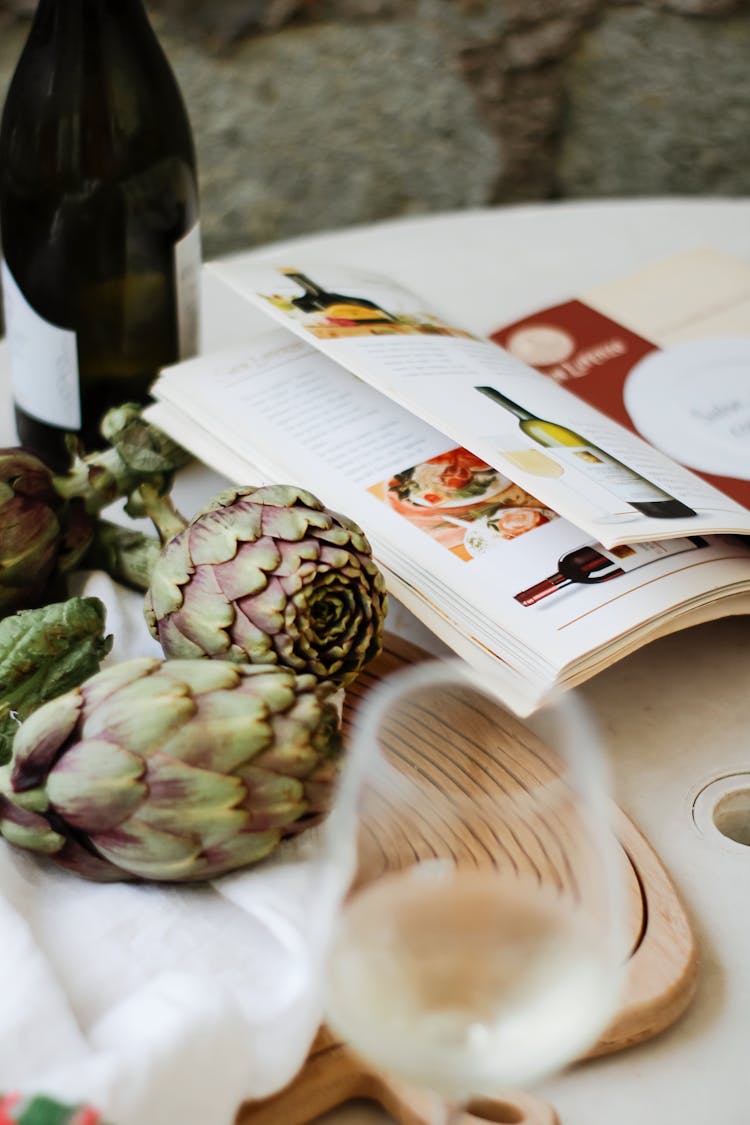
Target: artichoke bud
(270,576)
(32,529)
(143,447)
(172,770)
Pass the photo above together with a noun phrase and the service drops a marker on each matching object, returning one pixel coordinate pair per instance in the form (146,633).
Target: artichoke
(43,653)
(270,576)
(50,521)
(41,533)
(171,770)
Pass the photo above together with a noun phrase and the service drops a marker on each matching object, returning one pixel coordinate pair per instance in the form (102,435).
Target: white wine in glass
(481,944)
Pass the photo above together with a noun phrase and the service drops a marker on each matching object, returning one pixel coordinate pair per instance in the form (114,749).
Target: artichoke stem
(98,479)
(125,554)
(137,452)
(161,511)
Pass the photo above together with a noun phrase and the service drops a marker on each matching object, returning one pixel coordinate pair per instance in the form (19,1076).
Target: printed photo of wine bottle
(337,307)
(575,450)
(592,563)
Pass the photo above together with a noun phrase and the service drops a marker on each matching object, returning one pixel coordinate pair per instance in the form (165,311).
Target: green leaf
(44,653)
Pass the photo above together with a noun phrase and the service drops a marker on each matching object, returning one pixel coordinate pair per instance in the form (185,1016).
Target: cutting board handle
(333,1076)
(410,1106)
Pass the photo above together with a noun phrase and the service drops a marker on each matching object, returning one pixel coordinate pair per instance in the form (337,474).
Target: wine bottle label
(43,359)
(610,474)
(187,269)
(629,556)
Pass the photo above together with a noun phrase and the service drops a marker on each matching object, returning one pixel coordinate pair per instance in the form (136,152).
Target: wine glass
(481,943)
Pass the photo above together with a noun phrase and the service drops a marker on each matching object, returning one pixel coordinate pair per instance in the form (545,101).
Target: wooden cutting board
(660,982)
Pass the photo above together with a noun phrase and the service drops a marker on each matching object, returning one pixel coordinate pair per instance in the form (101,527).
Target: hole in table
(721,810)
(489,1109)
(731,815)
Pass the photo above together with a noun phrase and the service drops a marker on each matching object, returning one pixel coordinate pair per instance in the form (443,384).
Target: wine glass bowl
(480,945)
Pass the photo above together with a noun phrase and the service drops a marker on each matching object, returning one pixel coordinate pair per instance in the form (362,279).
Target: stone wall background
(317,114)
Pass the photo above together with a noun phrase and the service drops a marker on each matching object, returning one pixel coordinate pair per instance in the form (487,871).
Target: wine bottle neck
(73,9)
(76,24)
(304,283)
(542,589)
(506,403)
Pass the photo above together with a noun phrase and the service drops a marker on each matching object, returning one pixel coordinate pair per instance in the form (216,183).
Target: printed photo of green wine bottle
(335,313)
(576,452)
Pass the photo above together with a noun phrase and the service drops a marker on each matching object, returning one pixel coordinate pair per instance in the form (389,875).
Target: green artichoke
(171,770)
(270,576)
(43,653)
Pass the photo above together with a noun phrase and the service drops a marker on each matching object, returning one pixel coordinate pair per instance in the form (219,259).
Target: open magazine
(534,515)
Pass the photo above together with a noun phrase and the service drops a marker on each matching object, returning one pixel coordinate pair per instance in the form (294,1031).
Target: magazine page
(597,473)
(664,352)
(522,583)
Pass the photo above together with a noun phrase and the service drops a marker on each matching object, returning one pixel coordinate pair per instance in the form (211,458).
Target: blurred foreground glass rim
(564,723)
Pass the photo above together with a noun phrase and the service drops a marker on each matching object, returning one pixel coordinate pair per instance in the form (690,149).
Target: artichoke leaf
(215,538)
(298,558)
(96,785)
(141,714)
(174,568)
(26,829)
(210,824)
(110,680)
(238,851)
(247,572)
(223,738)
(149,853)
(175,643)
(272,800)
(251,643)
(206,620)
(266,610)
(282,496)
(202,677)
(40,737)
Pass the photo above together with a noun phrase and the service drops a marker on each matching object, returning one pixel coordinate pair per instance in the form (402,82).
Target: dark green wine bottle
(98,217)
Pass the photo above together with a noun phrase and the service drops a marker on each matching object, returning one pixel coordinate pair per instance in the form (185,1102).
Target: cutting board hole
(504,1113)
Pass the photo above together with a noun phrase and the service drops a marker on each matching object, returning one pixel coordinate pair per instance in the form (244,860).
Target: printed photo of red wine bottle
(592,563)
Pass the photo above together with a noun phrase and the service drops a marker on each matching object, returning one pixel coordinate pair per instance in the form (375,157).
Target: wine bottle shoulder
(552,433)
(92,106)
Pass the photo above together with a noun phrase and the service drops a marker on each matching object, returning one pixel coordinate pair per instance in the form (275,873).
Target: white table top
(677,713)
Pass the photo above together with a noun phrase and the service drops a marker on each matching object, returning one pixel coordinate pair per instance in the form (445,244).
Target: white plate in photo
(692,401)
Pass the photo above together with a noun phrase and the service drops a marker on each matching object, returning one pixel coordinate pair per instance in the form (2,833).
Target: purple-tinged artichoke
(171,770)
(40,532)
(50,521)
(270,576)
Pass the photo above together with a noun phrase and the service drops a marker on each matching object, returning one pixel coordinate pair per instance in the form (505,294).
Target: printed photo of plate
(508,523)
(692,401)
(451,480)
(438,498)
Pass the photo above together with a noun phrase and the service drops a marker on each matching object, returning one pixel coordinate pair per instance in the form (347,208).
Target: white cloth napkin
(157,1004)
